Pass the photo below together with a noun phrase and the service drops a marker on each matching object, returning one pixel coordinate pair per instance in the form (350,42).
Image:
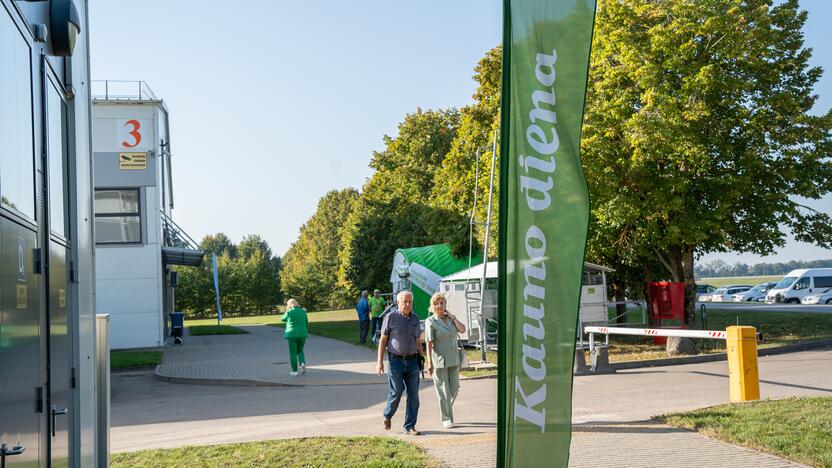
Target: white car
(822,298)
(704,292)
(726,293)
(798,284)
(756,294)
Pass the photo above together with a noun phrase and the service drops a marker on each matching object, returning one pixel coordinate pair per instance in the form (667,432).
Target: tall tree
(697,134)
(310,271)
(393,210)
(457,176)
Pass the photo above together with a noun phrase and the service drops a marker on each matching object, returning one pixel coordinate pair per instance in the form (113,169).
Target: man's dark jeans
(403,375)
(375,325)
(365,327)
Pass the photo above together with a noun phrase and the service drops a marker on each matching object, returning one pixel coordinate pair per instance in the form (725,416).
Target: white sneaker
(448,424)
(293,374)
(303,368)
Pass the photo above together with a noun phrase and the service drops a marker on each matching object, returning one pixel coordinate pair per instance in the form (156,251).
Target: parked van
(799,283)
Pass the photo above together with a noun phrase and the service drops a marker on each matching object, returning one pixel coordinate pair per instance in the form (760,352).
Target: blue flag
(217,284)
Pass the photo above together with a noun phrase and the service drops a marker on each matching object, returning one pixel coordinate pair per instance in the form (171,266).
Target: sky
(274,103)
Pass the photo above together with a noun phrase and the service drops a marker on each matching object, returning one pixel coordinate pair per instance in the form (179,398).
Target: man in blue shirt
(363,309)
(401,339)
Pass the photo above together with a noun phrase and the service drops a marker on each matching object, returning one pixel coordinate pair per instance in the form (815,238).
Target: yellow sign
(22,296)
(62,298)
(132,161)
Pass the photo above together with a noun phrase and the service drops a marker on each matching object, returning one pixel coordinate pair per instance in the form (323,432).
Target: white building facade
(136,239)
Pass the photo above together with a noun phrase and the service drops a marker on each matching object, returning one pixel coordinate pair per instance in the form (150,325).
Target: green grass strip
(309,452)
(134,359)
(796,428)
(201,330)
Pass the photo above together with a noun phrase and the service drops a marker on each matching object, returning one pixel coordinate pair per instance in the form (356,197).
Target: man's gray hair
(364,293)
(399,296)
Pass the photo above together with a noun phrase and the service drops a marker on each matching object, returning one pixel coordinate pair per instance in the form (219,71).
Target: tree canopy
(697,135)
(310,269)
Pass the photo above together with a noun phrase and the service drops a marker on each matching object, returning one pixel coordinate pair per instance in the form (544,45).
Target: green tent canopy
(420,269)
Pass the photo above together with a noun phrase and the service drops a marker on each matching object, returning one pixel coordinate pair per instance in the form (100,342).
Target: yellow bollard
(742,363)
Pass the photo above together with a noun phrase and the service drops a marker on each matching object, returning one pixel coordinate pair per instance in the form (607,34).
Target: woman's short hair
(434,298)
(292,303)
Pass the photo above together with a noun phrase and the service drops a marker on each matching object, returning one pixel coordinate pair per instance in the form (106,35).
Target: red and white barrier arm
(713,334)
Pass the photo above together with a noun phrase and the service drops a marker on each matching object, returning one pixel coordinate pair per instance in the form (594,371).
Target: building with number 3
(136,239)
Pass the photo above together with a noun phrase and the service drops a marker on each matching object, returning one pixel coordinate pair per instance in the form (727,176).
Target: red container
(667,302)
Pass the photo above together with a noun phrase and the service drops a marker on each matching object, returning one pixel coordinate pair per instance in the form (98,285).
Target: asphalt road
(152,414)
(763,307)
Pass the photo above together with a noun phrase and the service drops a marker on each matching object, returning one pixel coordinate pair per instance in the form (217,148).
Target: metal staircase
(178,248)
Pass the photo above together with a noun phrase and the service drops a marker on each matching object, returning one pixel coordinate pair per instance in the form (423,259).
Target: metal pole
(484,321)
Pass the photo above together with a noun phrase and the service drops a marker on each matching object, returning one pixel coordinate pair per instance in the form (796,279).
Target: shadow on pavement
(771,382)
(138,398)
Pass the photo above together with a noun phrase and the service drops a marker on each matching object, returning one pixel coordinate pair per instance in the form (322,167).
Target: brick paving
(261,357)
(614,446)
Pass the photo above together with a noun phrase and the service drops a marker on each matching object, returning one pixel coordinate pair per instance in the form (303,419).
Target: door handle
(55,413)
(5,451)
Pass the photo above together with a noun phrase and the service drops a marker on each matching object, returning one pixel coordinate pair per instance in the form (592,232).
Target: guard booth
(48,387)
(133,214)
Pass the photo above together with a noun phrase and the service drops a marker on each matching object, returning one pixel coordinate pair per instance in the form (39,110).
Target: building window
(17,167)
(118,216)
(56,112)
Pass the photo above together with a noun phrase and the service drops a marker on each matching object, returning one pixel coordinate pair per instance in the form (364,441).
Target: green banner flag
(544,215)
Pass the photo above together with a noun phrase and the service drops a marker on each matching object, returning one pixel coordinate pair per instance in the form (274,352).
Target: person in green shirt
(295,333)
(441,330)
(376,308)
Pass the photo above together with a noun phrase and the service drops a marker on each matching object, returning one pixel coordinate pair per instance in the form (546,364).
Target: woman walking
(295,333)
(441,330)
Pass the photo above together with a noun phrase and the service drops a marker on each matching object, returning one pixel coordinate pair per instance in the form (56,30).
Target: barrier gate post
(744,377)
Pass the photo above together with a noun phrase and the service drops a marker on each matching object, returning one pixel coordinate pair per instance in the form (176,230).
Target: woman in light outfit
(295,334)
(441,330)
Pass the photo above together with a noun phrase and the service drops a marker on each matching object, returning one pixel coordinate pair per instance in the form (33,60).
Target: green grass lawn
(797,428)
(336,324)
(253,320)
(134,359)
(311,452)
(730,280)
(201,330)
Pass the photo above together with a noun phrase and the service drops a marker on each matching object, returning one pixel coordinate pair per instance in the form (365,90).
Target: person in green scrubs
(295,333)
(441,334)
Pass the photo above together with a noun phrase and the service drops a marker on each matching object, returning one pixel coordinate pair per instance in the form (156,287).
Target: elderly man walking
(363,309)
(401,340)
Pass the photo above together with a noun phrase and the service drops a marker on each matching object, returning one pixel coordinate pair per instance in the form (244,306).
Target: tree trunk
(620,309)
(690,285)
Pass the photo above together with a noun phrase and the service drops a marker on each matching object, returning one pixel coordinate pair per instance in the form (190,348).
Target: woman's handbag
(463,358)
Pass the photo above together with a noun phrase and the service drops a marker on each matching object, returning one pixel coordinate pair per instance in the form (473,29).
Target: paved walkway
(611,413)
(262,358)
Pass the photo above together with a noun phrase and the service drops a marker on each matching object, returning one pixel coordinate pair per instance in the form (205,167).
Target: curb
(229,382)
(248,383)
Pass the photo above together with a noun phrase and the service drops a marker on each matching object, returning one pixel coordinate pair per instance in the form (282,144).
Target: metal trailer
(462,289)
(48,387)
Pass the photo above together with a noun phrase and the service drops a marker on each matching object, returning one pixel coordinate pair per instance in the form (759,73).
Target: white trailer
(462,292)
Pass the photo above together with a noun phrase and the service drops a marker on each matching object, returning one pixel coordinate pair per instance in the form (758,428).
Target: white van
(799,283)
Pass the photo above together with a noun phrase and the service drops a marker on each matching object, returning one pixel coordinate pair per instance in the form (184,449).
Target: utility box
(667,306)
